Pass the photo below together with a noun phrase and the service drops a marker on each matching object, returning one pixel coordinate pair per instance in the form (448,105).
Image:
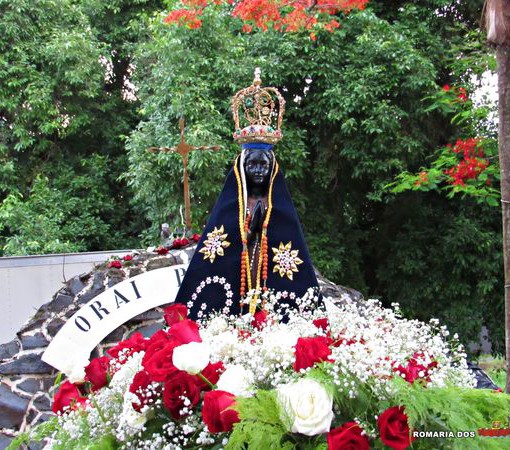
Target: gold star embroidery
(214,244)
(286,260)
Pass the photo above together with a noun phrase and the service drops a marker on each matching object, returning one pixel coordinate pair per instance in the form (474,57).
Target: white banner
(109,310)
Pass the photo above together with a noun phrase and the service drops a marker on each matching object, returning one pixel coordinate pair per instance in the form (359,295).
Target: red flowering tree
(280,15)
(469,166)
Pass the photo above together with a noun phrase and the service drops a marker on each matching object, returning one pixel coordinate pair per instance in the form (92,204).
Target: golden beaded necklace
(263,260)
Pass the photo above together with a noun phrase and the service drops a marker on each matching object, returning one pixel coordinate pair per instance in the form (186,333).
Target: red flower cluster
(460,92)
(291,16)
(116,264)
(185,17)
(180,243)
(414,370)
(177,243)
(124,349)
(424,178)
(281,15)
(472,164)
(261,12)
(181,392)
(312,350)
(394,429)
(161,250)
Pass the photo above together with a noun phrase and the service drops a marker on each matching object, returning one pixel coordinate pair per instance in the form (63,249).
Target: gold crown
(261,106)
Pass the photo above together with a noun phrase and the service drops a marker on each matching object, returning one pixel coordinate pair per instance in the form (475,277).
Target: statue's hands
(256,220)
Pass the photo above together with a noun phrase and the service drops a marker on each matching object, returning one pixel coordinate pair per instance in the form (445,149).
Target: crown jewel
(260,107)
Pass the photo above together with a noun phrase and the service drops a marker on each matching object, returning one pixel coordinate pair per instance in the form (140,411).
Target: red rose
(311,350)
(259,319)
(158,360)
(156,342)
(135,343)
(321,324)
(394,429)
(179,243)
(115,264)
(195,237)
(347,437)
(161,250)
(176,243)
(128,258)
(175,313)
(97,372)
(67,395)
(179,386)
(212,373)
(139,386)
(185,331)
(412,371)
(217,411)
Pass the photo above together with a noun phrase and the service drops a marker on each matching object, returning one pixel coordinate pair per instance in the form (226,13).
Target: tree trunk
(503,58)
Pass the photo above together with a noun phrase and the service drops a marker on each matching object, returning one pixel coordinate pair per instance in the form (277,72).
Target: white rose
(307,408)
(236,380)
(75,369)
(192,357)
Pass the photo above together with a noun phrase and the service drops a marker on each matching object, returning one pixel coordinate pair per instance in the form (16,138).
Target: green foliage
(463,410)
(499,377)
(355,119)
(73,212)
(260,425)
(443,268)
(63,440)
(36,434)
(63,102)
(470,167)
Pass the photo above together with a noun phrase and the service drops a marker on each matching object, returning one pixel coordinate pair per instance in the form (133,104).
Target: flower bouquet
(328,376)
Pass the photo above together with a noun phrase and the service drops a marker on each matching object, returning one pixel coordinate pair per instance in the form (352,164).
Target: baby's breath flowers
(182,387)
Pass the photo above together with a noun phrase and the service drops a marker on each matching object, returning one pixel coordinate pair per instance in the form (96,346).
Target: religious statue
(253,241)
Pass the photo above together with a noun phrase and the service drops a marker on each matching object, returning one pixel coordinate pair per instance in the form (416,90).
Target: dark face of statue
(257,166)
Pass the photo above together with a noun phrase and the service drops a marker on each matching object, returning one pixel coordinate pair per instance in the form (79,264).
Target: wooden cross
(183,148)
